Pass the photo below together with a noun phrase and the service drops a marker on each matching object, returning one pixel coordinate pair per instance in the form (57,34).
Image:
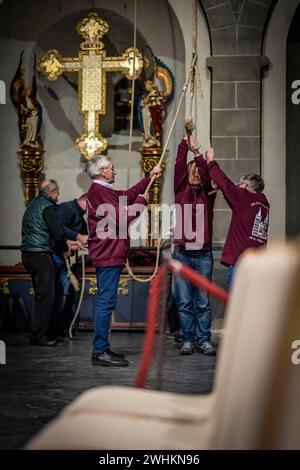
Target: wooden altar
(130,311)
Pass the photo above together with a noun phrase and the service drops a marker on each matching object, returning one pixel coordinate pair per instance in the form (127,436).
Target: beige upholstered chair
(257,389)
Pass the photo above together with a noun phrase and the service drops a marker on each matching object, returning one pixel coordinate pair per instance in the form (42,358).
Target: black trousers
(40,267)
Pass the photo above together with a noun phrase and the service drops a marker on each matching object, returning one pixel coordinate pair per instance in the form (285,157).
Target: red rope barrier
(198,280)
(195,278)
(153,307)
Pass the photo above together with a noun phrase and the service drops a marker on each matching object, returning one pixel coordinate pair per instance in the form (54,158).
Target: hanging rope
(194,80)
(185,87)
(129,270)
(194,49)
(148,279)
(81,293)
(73,279)
(132,98)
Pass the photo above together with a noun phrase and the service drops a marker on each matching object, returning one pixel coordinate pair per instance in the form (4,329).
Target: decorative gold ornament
(31,165)
(31,291)
(93,286)
(91,66)
(123,286)
(4,285)
(150,158)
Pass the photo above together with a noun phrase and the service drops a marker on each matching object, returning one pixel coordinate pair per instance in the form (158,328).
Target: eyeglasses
(107,168)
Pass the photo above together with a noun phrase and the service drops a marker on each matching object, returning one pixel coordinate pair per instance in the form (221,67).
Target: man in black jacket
(41,232)
(71,215)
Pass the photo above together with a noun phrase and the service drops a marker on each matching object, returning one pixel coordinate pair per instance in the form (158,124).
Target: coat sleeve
(180,172)
(55,229)
(133,192)
(204,175)
(231,192)
(66,215)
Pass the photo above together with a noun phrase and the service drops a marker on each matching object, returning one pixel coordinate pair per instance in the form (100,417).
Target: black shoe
(107,359)
(116,355)
(42,342)
(59,339)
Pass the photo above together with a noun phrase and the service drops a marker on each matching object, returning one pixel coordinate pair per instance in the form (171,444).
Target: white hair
(95,164)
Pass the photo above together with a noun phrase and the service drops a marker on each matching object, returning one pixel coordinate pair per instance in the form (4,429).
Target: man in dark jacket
(109,245)
(250,214)
(193,247)
(71,215)
(41,231)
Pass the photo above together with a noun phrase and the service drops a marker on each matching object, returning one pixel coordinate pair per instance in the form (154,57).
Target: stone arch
(236,26)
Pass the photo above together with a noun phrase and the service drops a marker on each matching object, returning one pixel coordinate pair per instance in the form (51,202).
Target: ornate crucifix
(92,66)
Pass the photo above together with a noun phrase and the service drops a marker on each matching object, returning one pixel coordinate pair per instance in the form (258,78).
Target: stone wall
(237,30)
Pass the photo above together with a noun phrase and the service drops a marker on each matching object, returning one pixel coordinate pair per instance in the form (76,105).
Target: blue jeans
(107,283)
(230,275)
(62,286)
(192,302)
(61,270)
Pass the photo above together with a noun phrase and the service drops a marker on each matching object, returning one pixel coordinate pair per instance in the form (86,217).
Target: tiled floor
(37,382)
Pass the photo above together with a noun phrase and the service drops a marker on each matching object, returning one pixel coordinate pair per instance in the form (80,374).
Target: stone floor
(36,382)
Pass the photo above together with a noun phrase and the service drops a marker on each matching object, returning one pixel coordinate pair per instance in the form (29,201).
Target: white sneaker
(186,349)
(207,348)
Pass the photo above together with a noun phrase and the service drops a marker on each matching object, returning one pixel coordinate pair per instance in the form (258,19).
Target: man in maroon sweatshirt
(250,214)
(109,214)
(193,247)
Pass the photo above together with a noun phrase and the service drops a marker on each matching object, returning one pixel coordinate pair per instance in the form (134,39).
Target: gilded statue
(152,115)
(154,102)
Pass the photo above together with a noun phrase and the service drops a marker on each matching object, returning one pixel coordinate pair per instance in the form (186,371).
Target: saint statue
(152,115)
(27,106)
(154,102)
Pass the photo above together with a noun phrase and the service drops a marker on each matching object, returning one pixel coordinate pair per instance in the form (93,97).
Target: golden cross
(92,66)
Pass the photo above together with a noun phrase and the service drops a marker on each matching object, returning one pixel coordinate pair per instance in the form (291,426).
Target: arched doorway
(293,128)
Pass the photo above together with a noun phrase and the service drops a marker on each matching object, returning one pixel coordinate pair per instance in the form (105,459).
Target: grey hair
(48,186)
(95,164)
(256,182)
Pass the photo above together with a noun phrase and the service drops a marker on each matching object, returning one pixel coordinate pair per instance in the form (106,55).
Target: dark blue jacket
(71,216)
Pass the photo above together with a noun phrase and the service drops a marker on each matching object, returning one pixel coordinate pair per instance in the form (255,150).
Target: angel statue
(28,109)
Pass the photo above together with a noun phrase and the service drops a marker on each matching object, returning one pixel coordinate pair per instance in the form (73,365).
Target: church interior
(132,84)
